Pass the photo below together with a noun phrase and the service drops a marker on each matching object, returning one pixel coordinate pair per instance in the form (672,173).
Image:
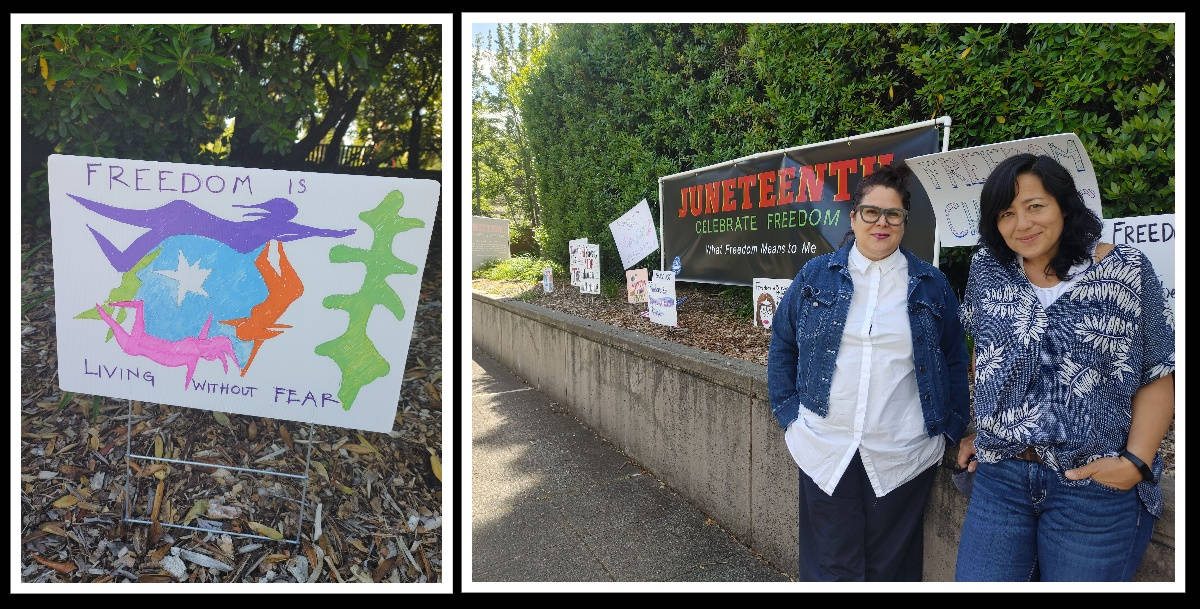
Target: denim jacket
(807,334)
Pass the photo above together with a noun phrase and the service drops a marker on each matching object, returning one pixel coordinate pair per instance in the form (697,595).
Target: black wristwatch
(1147,475)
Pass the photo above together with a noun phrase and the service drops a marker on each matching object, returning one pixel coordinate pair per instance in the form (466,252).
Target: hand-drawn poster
(1155,236)
(589,279)
(548,280)
(634,234)
(576,261)
(635,285)
(954,180)
(662,299)
(767,295)
(269,293)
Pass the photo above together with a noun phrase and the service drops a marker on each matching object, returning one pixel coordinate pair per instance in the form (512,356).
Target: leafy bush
(740,300)
(521,241)
(610,108)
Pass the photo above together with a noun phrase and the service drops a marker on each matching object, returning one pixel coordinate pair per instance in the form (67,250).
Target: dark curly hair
(1081,227)
(892,176)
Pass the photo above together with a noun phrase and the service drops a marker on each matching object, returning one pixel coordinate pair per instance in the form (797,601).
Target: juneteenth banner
(768,214)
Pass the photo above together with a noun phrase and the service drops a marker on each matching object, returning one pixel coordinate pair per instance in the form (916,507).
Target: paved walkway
(551,501)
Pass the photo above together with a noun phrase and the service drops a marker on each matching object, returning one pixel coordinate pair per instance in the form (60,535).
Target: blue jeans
(1023,524)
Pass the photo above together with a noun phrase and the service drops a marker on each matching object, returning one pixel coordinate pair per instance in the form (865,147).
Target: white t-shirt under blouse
(874,409)
(1047,296)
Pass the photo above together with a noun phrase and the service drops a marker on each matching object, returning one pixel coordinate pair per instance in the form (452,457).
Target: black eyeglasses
(870,214)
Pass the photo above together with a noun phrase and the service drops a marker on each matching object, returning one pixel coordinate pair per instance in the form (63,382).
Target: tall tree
(402,116)
(318,73)
(166,92)
(500,147)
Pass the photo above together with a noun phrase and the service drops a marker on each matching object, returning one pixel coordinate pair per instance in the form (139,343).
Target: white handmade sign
(662,299)
(634,234)
(548,280)
(636,285)
(489,240)
(576,260)
(954,179)
(1155,236)
(589,278)
(767,294)
(239,290)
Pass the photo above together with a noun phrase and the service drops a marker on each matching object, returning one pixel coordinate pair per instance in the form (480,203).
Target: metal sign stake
(129,480)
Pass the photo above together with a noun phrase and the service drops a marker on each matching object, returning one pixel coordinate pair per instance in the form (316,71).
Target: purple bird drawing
(179,217)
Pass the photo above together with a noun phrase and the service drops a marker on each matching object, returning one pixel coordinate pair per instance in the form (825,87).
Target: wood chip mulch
(372,503)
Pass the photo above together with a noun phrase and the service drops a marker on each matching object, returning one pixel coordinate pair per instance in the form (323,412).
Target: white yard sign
(576,260)
(954,179)
(1155,236)
(662,299)
(489,240)
(589,278)
(279,294)
(634,234)
(767,295)
(548,279)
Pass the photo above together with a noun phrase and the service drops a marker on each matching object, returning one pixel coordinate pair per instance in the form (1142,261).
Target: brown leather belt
(1029,455)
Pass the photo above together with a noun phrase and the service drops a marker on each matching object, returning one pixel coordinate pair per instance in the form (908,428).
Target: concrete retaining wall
(701,422)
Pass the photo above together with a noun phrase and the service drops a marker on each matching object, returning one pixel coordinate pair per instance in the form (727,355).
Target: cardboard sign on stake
(662,299)
(765,299)
(589,279)
(634,234)
(636,285)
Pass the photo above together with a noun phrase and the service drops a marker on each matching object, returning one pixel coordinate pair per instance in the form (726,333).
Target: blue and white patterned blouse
(1061,379)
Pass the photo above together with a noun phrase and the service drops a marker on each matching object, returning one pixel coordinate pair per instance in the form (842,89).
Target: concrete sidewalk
(552,501)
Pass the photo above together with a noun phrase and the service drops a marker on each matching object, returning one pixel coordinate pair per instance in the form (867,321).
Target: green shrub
(613,289)
(740,300)
(521,240)
(610,108)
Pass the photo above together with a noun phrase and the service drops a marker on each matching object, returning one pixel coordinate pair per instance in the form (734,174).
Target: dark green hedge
(611,107)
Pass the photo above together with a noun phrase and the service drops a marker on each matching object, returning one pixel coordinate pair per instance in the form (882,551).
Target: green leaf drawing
(130,283)
(353,352)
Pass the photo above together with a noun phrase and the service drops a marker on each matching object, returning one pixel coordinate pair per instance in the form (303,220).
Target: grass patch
(518,268)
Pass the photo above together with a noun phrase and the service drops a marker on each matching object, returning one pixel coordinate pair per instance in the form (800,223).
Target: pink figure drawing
(183,352)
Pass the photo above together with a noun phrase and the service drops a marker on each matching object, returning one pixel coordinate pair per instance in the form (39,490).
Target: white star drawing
(190,277)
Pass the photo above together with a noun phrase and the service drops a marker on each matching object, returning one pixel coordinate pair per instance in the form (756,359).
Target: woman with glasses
(1074,387)
(867,374)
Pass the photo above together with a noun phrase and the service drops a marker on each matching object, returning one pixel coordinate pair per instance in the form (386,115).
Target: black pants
(856,536)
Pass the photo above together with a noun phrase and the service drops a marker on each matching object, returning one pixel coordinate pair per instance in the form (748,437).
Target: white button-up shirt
(874,406)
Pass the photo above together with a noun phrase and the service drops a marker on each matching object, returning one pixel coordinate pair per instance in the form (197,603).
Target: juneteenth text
(775,187)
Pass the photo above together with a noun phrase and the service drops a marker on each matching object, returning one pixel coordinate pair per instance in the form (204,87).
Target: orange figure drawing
(283,288)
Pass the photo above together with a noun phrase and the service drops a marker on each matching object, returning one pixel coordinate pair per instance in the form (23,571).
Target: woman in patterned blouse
(1074,388)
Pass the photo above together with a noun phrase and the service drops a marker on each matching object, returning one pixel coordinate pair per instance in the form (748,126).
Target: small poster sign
(589,280)
(767,294)
(662,299)
(576,259)
(636,285)
(634,234)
